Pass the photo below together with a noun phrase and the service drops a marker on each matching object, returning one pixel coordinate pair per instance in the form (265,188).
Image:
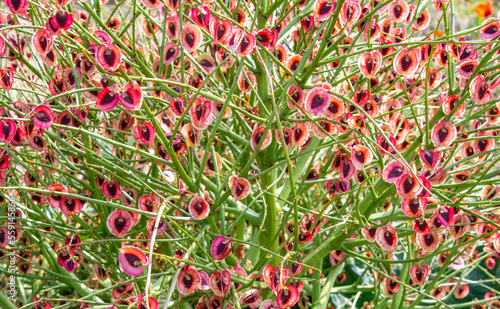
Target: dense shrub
(269,154)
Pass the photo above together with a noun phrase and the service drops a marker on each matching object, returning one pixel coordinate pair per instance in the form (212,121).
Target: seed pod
(221,247)
(111,189)
(491,29)
(317,101)
(287,297)
(398,10)
(191,38)
(119,223)
(406,62)
(392,171)
(421,226)
(247,45)
(369,63)
(198,208)
(429,241)
(43,116)
(240,187)
(387,238)
(8,130)
(70,206)
(108,57)
(418,274)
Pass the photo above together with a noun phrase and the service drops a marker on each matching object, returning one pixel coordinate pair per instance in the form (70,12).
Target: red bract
(70,265)
(398,10)
(361,156)
(130,96)
(17,7)
(429,159)
(451,104)
(336,257)
(257,135)
(221,31)
(251,298)
(151,3)
(346,170)
(41,304)
(201,113)
(317,101)
(369,233)
(406,62)
(413,207)
(121,290)
(480,90)
(421,226)
(170,53)
(201,17)
(465,69)
(490,30)
(350,13)
(429,241)
(4,237)
(323,9)
(266,37)
(391,286)
(64,255)
(286,140)
(408,186)
(445,215)
(55,199)
(247,44)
